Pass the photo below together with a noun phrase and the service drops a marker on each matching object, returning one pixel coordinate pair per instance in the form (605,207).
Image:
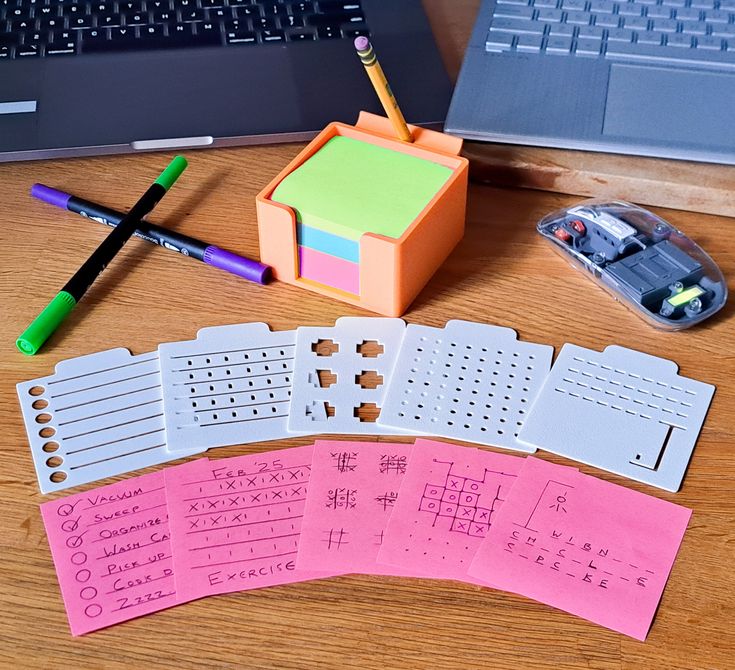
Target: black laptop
(119,76)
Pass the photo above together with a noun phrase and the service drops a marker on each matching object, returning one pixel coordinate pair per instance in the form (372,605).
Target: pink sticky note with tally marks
(235,522)
(112,552)
(352,492)
(595,549)
(446,505)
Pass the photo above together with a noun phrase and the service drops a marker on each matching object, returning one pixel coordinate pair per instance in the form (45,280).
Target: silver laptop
(644,77)
(81,77)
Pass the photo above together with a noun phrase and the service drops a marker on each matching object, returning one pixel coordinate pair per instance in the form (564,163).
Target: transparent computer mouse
(642,260)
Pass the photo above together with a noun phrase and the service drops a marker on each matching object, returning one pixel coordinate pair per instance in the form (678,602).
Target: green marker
(60,307)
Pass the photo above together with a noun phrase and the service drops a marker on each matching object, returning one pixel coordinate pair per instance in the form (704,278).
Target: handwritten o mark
(70,525)
(93,610)
(83,575)
(80,558)
(65,510)
(74,541)
(88,592)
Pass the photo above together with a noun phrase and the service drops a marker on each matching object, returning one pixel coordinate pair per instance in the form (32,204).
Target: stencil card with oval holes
(232,385)
(341,374)
(467,381)
(620,410)
(97,416)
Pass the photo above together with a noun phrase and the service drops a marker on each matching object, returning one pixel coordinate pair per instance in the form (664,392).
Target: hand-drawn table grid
(457,499)
(266,506)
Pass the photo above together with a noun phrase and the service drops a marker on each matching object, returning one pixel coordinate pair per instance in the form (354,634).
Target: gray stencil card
(468,381)
(620,410)
(232,385)
(97,416)
(341,374)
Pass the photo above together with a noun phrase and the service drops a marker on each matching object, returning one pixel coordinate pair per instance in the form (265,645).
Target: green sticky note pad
(350,187)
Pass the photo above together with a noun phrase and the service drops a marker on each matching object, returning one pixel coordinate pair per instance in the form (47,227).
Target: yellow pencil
(380,83)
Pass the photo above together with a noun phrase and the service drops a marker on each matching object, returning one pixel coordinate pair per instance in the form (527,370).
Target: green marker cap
(172,172)
(45,323)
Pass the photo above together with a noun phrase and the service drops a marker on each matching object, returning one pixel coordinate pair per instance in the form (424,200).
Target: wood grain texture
(500,273)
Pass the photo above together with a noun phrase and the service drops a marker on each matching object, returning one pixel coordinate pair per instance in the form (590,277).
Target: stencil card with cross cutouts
(341,373)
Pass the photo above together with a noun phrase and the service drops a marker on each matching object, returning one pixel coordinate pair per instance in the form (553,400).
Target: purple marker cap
(50,195)
(237,265)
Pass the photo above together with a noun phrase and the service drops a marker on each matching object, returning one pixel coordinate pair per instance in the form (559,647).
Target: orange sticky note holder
(392,271)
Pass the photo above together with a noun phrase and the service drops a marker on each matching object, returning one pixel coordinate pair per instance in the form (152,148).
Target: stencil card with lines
(97,416)
(112,552)
(235,522)
(232,385)
(353,489)
(591,548)
(622,411)
(468,381)
(341,373)
(446,505)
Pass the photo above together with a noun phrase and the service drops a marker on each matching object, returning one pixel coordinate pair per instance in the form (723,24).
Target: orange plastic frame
(392,271)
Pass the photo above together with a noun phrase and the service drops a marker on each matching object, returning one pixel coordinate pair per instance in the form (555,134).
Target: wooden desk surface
(501,273)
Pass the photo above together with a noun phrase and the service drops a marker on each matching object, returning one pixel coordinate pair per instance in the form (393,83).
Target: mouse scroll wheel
(578,226)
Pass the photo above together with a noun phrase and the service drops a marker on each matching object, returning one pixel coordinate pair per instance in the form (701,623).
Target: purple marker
(163,237)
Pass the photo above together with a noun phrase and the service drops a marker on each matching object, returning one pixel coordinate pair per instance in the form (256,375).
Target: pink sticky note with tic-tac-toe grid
(586,546)
(235,522)
(112,552)
(352,492)
(446,505)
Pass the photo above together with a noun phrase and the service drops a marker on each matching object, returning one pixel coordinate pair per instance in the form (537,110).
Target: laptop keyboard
(63,28)
(689,33)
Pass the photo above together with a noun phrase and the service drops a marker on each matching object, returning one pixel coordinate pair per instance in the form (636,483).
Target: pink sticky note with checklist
(112,552)
(235,522)
(586,546)
(446,505)
(352,492)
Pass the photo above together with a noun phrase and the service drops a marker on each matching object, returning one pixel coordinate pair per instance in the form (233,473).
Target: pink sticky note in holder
(112,552)
(447,503)
(352,492)
(595,549)
(235,522)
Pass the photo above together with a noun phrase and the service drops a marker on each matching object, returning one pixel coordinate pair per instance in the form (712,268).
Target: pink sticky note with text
(352,491)
(235,522)
(446,505)
(112,552)
(591,548)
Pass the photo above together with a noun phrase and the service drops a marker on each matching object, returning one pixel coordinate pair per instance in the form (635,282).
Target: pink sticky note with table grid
(235,522)
(446,505)
(586,546)
(352,491)
(112,552)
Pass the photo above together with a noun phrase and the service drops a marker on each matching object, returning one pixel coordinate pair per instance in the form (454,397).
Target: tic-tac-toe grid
(232,385)
(468,381)
(96,416)
(621,410)
(357,380)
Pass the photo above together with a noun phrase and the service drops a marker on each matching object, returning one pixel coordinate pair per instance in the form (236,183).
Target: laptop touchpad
(671,105)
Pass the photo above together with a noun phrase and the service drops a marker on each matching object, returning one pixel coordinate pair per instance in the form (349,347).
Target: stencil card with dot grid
(467,381)
(341,373)
(622,411)
(232,385)
(97,416)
